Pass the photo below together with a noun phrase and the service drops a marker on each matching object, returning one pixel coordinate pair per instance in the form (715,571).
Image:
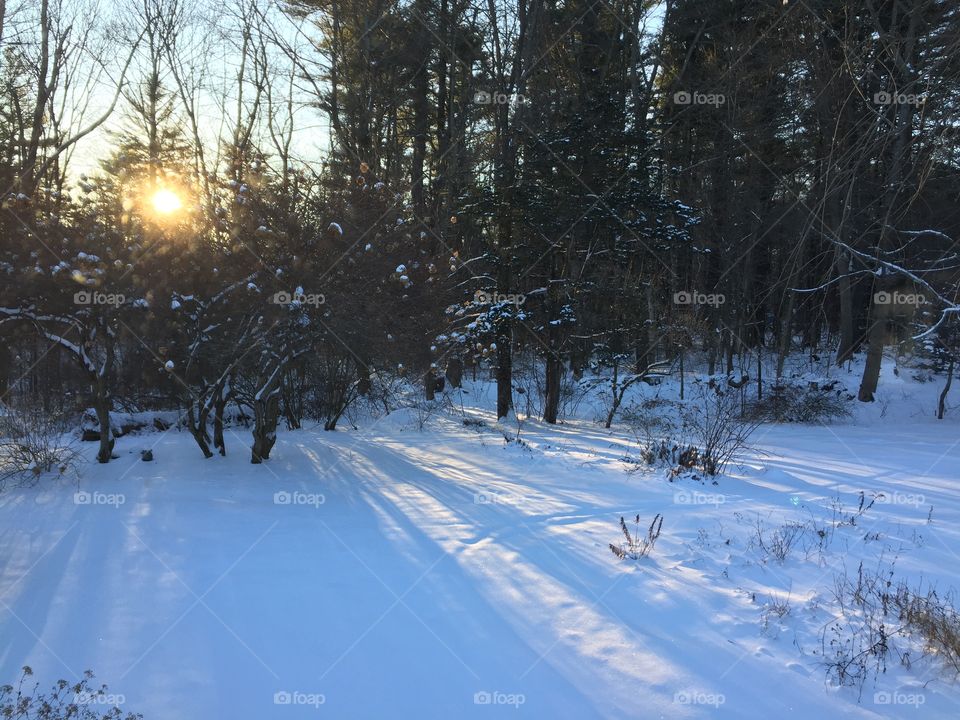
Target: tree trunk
(554,376)
(420,121)
(877,340)
(364,383)
(845,293)
(454,372)
(198,429)
(331,424)
(759,372)
(103,400)
(266,414)
(504,371)
(786,333)
(6,361)
(616,395)
(682,373)
(293,420)
(219,407)
(102,407)
(901,134)
(942,403)
(504,325)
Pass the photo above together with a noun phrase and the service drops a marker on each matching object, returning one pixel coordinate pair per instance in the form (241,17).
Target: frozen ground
(389,572)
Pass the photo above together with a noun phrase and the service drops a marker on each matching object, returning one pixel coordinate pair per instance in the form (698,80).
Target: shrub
(705,433)
(33,443)
(653,419)
(936,621)
(636,546)
(779,542)
(73,701)
(680,457)
(792,403)
(881,618)
(717,428)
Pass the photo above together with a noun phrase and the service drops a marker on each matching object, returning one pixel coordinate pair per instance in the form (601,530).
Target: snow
(394,572)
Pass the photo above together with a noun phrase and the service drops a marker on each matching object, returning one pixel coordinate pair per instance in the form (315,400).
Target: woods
(275,207)
(478,358)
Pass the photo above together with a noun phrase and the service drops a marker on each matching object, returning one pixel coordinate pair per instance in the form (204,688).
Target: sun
(166,202)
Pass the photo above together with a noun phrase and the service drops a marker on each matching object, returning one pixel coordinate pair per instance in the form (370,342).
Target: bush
(636,546)
(792,403)
(705,433)
(655,426)
(882,618)
(653,419)
(717,427)
(76,701)
(936,621)
(33,443)
(779,542)
(681,457)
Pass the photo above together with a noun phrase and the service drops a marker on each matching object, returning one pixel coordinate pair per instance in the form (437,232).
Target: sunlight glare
(166,202)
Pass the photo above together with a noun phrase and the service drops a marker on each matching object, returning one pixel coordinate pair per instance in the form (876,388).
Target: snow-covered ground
(394,572)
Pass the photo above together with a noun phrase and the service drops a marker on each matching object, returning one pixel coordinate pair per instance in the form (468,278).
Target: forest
(656,229)
(738,179)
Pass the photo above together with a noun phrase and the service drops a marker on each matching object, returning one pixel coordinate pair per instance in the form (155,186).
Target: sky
(212,43)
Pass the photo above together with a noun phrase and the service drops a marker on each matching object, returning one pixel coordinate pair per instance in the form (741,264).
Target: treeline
(300,200)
